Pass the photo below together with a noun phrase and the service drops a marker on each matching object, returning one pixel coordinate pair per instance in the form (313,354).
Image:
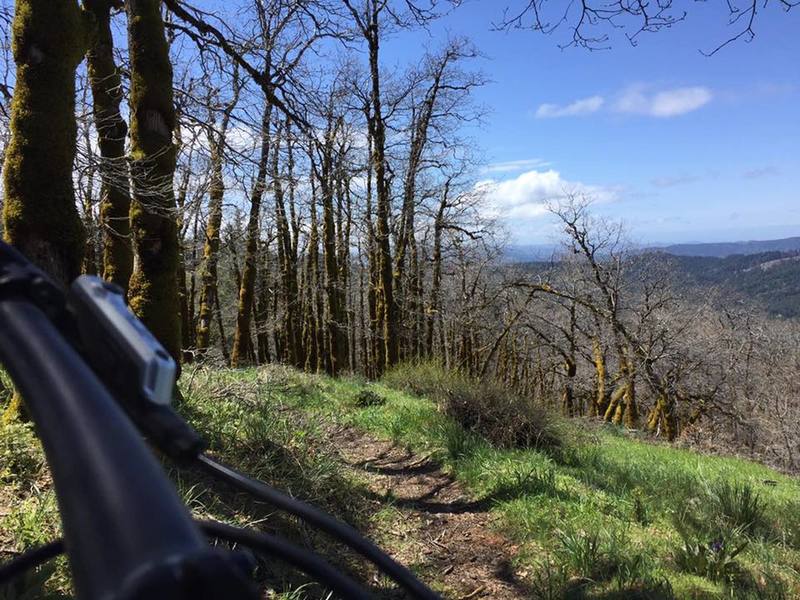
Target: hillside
(594,514)
(521,253)
(723,249)
(768,280)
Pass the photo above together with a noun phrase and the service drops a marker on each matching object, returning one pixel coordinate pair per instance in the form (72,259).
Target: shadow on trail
(302,477)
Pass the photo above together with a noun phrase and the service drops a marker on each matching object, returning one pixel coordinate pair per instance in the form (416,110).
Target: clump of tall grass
(594,555)
(506,419)
(6,388)
(740,505)
(21,458)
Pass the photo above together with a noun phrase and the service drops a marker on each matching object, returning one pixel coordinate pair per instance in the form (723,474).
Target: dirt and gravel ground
(436,525)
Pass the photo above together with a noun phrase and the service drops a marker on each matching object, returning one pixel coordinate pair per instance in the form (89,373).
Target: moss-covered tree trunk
(39,212)
(600,401)
(208,279)
(209,297)
(383,267)
(263,300)
(432,310)
(309,289)
(287,261)
(242,352)
(568,391)
(153,288)
(89,266)
(336,343)
(373,330)
(105,81)
(185,300)
(344,227)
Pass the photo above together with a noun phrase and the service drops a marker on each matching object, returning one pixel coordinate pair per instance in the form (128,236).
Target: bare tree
(590,21)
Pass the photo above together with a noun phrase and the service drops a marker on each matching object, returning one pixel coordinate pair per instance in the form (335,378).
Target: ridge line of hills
(540,252)
(761,274)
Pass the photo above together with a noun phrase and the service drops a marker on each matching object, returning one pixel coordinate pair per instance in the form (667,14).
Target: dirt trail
(438,526)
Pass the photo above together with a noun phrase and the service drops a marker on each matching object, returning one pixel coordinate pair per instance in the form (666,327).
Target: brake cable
(323,521)
(306,561)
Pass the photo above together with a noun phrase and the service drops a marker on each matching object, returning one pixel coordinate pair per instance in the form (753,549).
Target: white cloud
(669,181)
(761,172)
(666,103)
(242,138)
(637,100)
(512,166)
(584,106)
(527,195)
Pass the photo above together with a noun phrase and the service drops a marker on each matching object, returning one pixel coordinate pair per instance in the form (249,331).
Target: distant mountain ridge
(724,249)
(770,280)
(519,253)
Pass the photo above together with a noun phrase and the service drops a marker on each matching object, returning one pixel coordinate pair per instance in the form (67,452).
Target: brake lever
(131,362)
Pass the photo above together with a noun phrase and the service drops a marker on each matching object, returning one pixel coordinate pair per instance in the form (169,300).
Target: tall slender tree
(209,298)
(107,93)
(153,288)
(242,341)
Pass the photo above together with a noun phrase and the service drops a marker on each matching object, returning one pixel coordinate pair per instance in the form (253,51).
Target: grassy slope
(603,507)
(624,490)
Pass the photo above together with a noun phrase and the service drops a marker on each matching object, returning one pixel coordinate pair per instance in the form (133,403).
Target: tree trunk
(104,77)
(242,341)
(263,299)
(39,212)
(598,403)
(386,309)
(288,270)
(310,287)
(185,300)
(334,321)
(153,288)
(216,194)
(432,311)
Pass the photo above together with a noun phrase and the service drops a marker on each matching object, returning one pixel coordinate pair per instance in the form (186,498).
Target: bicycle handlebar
(134,534)
(126,532)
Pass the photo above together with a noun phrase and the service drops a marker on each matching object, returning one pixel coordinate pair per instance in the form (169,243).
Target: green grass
(601,516)
(606,499)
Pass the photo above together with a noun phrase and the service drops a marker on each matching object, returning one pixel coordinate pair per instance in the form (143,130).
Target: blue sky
(681,146)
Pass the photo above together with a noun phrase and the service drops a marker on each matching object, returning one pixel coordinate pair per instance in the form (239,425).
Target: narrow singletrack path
(437,527)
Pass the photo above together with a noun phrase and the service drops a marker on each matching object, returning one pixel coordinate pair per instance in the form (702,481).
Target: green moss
(153,289)
(104,77)
(39,213)
(208,290)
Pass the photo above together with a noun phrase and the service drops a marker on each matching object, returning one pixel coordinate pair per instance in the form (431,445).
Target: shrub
(367,398)
(707,548)
(457,442)
(548,581)
(488,409)
(714,560)
(6,389)
(503,418)
(419,378)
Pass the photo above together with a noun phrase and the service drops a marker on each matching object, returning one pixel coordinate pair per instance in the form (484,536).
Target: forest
(265,191)
(268,191)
